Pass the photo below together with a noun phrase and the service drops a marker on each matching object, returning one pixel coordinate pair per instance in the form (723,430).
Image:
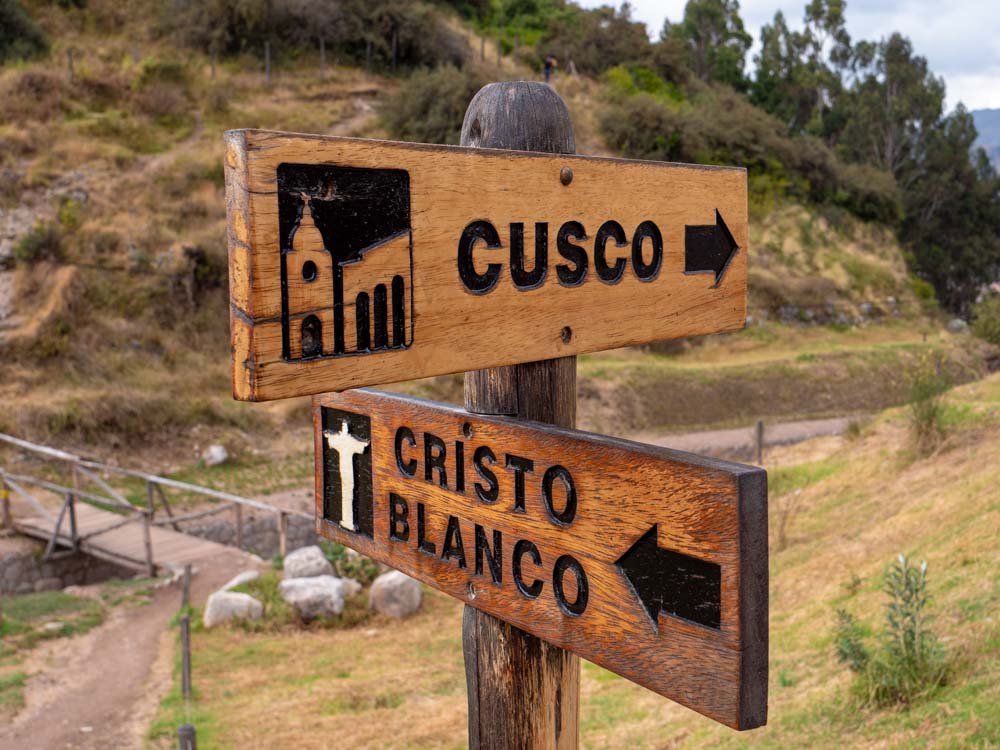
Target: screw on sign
(356,262)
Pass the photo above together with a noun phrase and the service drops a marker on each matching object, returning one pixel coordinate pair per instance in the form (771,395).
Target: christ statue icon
(347,447)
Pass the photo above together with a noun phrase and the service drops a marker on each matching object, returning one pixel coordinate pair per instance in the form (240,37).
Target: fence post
(186,738)
(150,500)
(522,691)
(395,48)
(368,55)
(71,499)
(147,542)
(322,58)
(8,519)
(69,64)
(239,525)
(760,441)
(185,656)
(267,64)
(186,587)
(282,534)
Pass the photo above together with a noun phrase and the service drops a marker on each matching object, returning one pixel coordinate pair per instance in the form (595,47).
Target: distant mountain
(988,125)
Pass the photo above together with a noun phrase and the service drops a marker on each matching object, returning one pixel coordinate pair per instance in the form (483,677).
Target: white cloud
(961,39)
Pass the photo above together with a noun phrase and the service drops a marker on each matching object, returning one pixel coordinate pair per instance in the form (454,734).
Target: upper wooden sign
(357,262)
(647,561)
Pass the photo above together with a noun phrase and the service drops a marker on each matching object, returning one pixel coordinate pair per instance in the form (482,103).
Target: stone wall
(260,535)
(23,571)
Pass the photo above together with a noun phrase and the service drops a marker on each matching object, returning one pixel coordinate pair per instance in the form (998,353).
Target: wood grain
(522,691)
(455,330)
(710,510)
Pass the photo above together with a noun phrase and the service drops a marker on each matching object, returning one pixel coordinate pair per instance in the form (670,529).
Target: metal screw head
(565,175)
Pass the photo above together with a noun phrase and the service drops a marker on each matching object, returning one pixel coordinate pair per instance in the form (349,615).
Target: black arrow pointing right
(709,247)
(673,582)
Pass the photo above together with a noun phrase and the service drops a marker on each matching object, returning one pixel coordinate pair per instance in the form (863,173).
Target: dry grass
(401,684)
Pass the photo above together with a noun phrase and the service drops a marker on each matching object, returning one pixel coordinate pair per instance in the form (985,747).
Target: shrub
(986,319)
(908,662)
(431,105)
(20,37)
(348,565)
(43,242)
(927,387)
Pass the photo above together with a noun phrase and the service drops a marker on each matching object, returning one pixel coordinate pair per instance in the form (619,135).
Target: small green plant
(986,319)
(908,662)
(349,565)
(43,242)
(927,388)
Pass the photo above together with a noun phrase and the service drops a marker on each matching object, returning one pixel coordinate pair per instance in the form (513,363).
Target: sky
(960,38)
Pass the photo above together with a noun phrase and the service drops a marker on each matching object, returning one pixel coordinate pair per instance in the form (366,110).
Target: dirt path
(100,690)
(741,442)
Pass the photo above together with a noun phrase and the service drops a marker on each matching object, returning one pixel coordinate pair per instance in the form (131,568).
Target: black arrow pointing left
(673,582)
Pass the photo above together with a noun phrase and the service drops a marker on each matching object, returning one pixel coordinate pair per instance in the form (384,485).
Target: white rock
(53,626)
(215,455)
(395,594)
(224,606)
(351,587)
(957,325)
(245,577)
(307,561)
(316,596)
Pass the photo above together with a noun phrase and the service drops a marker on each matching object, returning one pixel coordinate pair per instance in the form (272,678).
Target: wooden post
(72,523)
(186,738)
(267,64)
(522,691)
(8,519)
(186,656)
(322,58)
(282,534)
(69,64)
(368,55)
(239,525)
(186,587)
(395,48)
(482,48)
(760,441)
(150,500)
(147,543)
(55,532)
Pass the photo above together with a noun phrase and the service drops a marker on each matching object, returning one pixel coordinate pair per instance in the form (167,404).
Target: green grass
(786,479)
(12,693)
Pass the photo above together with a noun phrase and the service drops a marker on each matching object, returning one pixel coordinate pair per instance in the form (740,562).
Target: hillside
(841,509)
(988,125)
(113,304)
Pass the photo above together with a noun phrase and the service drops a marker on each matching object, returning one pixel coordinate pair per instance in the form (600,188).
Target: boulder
(306,562)
(395,594)
(215,455)
(957,325)
(245,577)
(315,596)
(224,606)
(351,587)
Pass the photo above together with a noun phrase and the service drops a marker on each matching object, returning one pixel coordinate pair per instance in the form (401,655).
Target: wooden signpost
(356,262)
(647,561)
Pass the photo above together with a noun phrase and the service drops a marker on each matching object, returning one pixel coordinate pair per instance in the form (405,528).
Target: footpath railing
(84,471)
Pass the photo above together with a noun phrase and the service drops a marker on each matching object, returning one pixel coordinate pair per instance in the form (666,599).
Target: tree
(952,214)
(715,41)
(894,104)
(20,37)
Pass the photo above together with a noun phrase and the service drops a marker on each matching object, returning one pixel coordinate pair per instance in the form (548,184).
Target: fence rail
(84,470)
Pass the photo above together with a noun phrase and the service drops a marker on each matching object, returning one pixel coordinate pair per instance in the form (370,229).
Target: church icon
(346,260)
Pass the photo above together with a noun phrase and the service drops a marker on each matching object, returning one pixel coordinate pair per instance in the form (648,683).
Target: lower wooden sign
(647,561)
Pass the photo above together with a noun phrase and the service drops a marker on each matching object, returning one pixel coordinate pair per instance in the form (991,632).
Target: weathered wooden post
(395,48)
(522,691)
(147,543)
(368,55)
(282,534)
(186,737)
(74,540)
(69,64)
(186,656)
(239,525)
(322,58)
(267,64)
(8,519)
(186,587)
(760,441)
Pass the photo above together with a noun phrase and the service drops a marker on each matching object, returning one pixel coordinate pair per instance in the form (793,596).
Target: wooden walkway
(123,541)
